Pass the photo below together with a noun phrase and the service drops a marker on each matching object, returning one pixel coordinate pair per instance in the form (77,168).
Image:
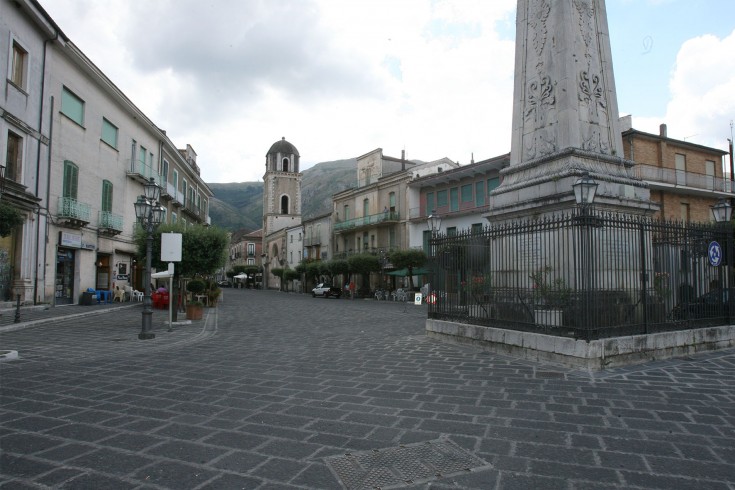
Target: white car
(326,290)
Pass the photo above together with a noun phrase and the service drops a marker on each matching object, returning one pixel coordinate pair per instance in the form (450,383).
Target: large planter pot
(194,312)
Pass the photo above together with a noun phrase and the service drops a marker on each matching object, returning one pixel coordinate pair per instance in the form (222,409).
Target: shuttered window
(107,196)
(71,178)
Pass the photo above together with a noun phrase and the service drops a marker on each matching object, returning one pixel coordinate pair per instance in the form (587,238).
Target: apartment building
(460,196)
(374,216)
(684,178)
(101,150)
(25,32)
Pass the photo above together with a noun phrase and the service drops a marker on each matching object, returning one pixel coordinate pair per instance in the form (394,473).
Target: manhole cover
(397,466)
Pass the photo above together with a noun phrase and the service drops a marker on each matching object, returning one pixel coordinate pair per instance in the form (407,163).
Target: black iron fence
(586,275)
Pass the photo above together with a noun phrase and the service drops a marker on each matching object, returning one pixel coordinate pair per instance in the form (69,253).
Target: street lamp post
(722,212)
(149,214)
(585,189)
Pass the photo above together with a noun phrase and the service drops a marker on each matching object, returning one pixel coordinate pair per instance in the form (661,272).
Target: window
(183,191)
(284,204)
(454,199)
(365,240)
(392,201)
(173,217)
(476,228)
(285,165)
(346,212)
(290,257)
(452,231)
(109,133)
(441,198)
(291,237)
(492,184)
(175,180)
(251,249)
(366,207)
(684,209)
(19,68)
(14,157)
(251,261)
(71,178)
(467,193)
(72,106)
(107,196)
(709,170)
(479,194)
(164,171)
(392,238)
(426,237)
(681,167)
(430,203)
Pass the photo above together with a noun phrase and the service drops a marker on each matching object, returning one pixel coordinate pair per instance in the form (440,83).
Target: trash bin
(86,299)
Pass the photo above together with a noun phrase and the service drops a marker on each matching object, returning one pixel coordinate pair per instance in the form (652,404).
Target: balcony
(193,211)
(167,191)
(365,221)
(72,213)
(671,179)
(312,241)
(109,224)
(142,173)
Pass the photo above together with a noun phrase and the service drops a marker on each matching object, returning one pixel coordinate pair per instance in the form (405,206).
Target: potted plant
(195,309)
(550,296)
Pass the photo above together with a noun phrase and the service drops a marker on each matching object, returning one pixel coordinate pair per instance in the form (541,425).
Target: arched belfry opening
(284,165)
(284,204)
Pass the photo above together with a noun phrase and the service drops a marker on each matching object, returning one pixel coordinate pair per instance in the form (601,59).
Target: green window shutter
(71,177)
(107,196)
(467,193)
(441,198)
(430,203)
(109,133)
(480,193)
(72,106)
(454,199)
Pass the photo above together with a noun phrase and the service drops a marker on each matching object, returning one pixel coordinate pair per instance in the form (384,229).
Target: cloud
(702,87)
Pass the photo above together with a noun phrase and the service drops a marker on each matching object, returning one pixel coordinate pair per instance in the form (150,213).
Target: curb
(41,321)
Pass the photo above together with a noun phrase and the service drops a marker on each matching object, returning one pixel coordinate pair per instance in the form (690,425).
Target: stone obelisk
(565,114)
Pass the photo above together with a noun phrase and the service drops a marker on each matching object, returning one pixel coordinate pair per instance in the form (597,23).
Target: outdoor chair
(119,295)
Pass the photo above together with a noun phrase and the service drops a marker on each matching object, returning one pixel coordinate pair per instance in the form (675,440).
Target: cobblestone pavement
(276,390)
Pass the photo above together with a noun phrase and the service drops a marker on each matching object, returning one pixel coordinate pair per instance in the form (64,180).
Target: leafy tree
(363,264)
(338,266)
(408,259)
(10,218)
(203,250)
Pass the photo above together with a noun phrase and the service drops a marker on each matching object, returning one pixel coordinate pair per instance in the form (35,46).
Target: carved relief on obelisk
(565,111)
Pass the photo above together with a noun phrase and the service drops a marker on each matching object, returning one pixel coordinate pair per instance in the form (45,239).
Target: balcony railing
(373,219)
(681,178)
(74,212)
(142,172)
(110,223)
(312,240)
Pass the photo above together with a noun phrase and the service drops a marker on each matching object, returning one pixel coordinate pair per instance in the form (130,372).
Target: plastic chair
(119,295)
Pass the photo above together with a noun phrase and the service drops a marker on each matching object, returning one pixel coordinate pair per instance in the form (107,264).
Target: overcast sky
(339,78)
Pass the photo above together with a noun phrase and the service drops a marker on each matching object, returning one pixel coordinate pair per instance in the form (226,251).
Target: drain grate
(397,466)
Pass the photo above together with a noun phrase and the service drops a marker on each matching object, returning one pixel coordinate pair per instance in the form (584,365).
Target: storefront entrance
(64,294)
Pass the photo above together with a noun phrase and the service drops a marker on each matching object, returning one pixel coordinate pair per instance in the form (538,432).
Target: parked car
(224,284)
(326,290)
(709,305)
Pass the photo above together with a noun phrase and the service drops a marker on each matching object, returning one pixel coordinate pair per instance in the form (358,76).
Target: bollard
(17,310)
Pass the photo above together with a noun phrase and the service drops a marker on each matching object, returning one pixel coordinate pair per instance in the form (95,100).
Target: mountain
(239,205)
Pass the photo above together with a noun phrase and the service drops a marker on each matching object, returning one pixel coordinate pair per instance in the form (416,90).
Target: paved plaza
(280,390)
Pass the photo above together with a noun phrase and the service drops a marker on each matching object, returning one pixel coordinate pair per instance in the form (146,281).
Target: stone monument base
(594,355)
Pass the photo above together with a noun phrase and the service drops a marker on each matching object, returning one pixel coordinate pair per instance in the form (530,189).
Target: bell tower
(281,188)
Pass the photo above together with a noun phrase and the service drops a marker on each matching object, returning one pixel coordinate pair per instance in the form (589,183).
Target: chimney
(662,130)
(403,159)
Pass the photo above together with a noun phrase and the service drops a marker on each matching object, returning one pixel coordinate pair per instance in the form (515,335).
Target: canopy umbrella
(241,276)
(417,271)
